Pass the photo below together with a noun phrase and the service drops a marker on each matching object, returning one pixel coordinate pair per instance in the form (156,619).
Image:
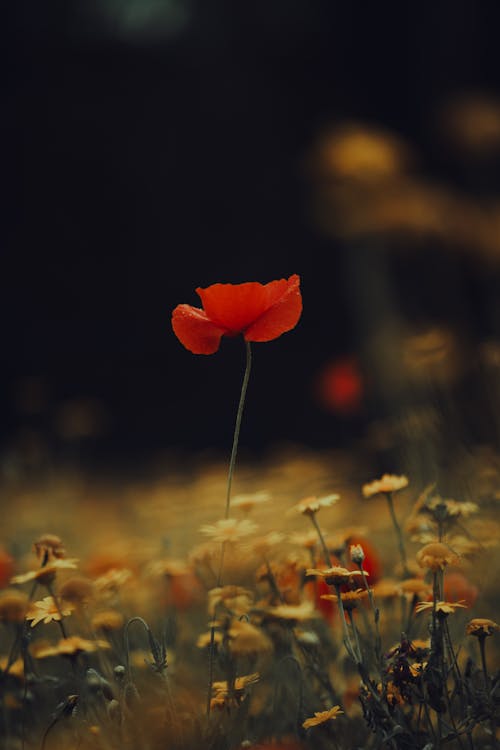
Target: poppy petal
(236,306)
(195,331)
(282,315)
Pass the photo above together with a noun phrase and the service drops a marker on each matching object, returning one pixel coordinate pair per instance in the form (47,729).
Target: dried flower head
(387,483)
(310,505)
(49,546)
(321,716)
(229,529)
(481,627)
(436,556)
(46,610)
(47,574)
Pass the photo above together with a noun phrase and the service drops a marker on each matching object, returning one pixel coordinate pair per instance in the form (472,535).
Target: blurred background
(153,146)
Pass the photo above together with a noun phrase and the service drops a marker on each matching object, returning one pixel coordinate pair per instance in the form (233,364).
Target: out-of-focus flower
(6,567)
(310,505)
(229,529)
(432,354)
(265,544)
(108,621)
(68,647)
(260,312)
(77,591)
(350,599)
(436,556)
(453,508)
(336,575)
(13,604)
(456,586)
(366,155)
(205,639)
(247,640)
(388,483)
(415,587)
(481,627)
(307,539)
(46,574)
(386,588)
(46,610)
(340,386)
(472,123)
(112,581)
(290,612)
(49,545)
(442,608)
(235,599)
(246,502)
(321,716)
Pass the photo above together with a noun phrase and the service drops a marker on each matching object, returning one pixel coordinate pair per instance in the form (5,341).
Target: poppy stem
(232,463)
(239,414)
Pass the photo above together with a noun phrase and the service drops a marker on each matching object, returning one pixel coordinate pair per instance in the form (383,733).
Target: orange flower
(261,312)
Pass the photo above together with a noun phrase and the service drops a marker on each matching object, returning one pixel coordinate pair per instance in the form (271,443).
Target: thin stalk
(326,554)
(230,473)
(399,533)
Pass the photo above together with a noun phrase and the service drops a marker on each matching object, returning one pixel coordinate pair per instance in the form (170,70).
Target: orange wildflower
(260,312)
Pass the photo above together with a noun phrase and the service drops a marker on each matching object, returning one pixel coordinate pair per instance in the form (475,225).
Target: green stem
(402,550)
(237,426)
(230,473)
(326,554)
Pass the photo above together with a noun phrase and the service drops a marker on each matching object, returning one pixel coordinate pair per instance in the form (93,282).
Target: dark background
(154,147)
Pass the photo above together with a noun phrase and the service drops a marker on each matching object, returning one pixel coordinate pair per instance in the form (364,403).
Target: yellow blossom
(46,611)
(435,556)
(321,716)
(246,502)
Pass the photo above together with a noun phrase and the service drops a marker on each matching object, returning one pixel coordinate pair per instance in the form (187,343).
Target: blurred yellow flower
(436,556)
(229,529)
(387,483)
(310,505)
(321,716)
(47,573)
(246,502)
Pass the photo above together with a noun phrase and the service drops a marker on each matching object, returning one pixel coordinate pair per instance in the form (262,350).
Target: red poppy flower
(261,312)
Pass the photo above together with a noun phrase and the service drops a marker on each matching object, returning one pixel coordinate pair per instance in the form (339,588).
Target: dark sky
(148,157)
